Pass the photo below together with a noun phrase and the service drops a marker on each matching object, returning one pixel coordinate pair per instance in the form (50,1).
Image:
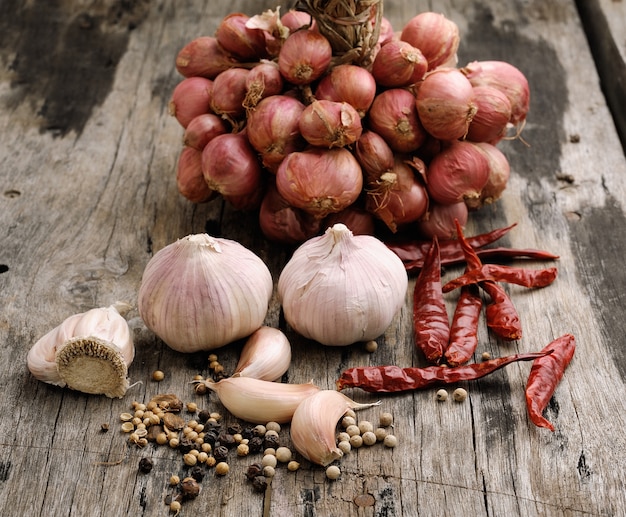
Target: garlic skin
(266,355)
(88,352)
(202,292)
(259,402)
(341,288)
(314,423)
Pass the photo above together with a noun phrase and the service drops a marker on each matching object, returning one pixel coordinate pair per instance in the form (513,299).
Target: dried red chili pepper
(499,273)
(545,374)
(501,314)
(391,379)
(417,250)
(430,319)
(464,328)
(456,256)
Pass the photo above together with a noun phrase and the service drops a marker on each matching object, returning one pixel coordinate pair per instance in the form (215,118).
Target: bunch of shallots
(278,119)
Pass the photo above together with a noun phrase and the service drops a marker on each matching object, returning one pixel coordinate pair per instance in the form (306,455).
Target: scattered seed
(243,449)
(390,441)
(283,454)
(128,427)
(192,407)
(259,483)
(269,459)
(126,417)
(189,488)
(353,430)
(273,426)
(371,346)
(347,421)
(385,419)
(369,438)
(459,394)
(486,356)
(344,446)
(158,375)
(174,480)
(190,459)
(333,472)
(175,506)
(269,471)
(293,466)
(145,465)
(365,426)
(442,395)
(343,437)
(356,441)
(222,468)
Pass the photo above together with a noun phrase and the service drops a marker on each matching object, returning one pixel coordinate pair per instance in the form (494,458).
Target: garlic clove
(201,293)
(266,355)
(314,424)
(88,352)
(258,401)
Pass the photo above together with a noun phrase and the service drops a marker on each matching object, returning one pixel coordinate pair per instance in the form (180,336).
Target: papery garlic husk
(259,402)
(266,355)
(341,288)
(203,292)
(89,352)
(314,424)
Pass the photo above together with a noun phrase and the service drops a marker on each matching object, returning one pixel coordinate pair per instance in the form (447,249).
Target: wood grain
(88,195)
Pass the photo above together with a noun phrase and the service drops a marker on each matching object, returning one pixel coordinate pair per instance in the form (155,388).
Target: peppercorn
(459,395)
(365,426)
(442,395)
(158,375)
(269,471)
(269,460)
(192,407)
(227,440)
(197,473)
(273,426)
(344,446)
(259,430)
(247,432)
(333,472)
(104,427)
(386,419)
(254,470)
(145,465)
(255,444)
(259,483)
(293,466)
(234,428)
(369,438)
(270,440)
(203,416)
(220,453)
(283,454)
(189,488)
(222,468)
(390,441)
(371,346)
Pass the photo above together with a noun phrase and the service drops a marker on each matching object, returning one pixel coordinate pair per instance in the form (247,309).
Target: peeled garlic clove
(314,424)
(258,401)
(89,352)
(341,288)
(203,292)
(266,355)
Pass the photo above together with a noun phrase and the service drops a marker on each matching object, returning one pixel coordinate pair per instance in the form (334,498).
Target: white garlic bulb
(88,352)
(341,288)
(203,292)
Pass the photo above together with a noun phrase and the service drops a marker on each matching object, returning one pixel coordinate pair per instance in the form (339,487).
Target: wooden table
(88,195)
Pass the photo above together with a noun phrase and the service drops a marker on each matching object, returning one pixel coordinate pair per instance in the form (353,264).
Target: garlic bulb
(341,288)
(314,424)
(203,292)
(258,401)
(266,355)
(88,352)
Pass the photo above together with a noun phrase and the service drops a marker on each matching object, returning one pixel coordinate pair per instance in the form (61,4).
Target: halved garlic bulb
(341,288)
(266,355)
(89,352)
(203,292)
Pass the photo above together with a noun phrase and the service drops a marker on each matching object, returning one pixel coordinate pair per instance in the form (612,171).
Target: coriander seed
(371,346)
(158,375)
(222,468)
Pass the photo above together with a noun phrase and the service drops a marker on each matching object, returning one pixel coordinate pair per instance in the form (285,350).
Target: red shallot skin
(191,97)
(189,177)
(243,43)
(398,197)
(320,181)
(440,219)
(264,80)
(330,124)
(358,220)
(435,35)
(399,63)
(230,165)
(304,57)
(458,173)
(280,222)
(203,57)
(506,78)
(348,83)
(499,173)
(492,116)
(273,130)
(295,20)
(373,154)
(229,92)
(393,116)
(203,129)
(445,103)
(385,32)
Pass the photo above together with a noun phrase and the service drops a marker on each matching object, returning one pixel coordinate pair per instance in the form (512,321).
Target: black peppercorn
(234,428)
(255,444)
(203,416)
(259,483)
(271,441)
(227,440)
(197,473)
(145,465)
(254,470)
(247,432)
(189,488)
(220,453)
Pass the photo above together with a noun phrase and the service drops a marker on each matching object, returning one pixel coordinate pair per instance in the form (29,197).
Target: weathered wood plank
(89,195)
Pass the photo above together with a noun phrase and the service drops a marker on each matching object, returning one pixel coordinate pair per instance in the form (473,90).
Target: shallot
(240,41)
(348,83)
(435,35)
(203,57)
(189,178)
(304,56)
(203,129)
(439,221)
(330,124)
(229,92)
(190,98)
(492,116)
(399,63)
